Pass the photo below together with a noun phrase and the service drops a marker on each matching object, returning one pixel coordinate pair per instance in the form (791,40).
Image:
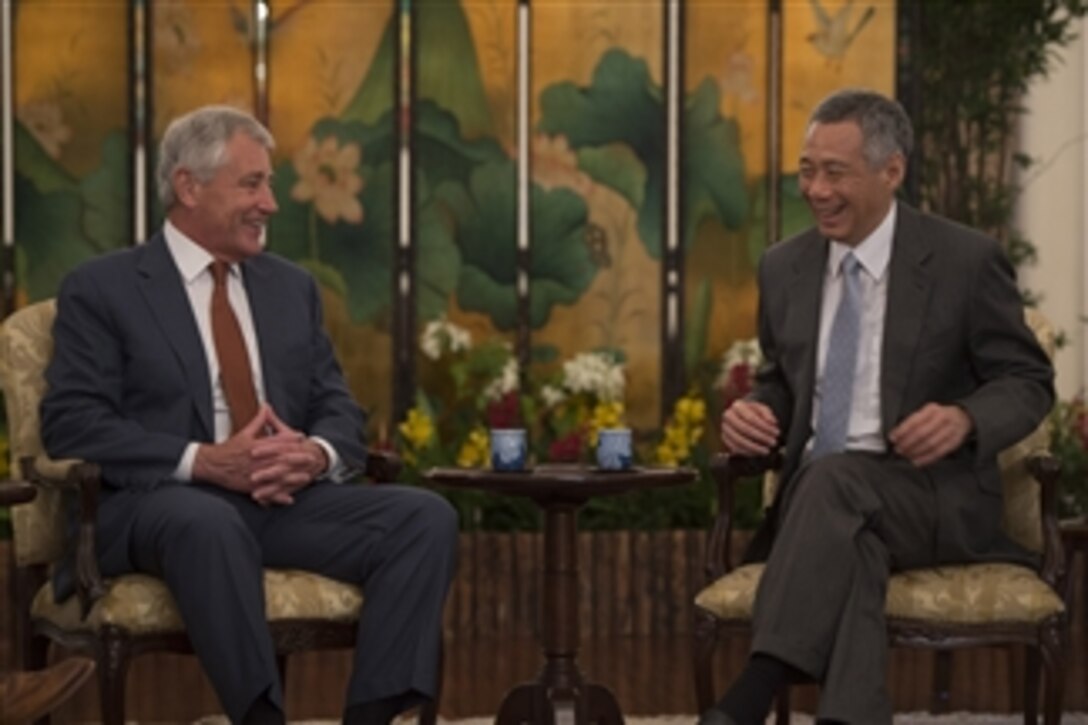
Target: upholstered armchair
(942,608)
(115,620)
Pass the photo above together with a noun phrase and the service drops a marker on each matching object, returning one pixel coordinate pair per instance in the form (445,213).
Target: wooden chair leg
(113,658)
(1031,685)
(1053,655)
(782,707)
(704,638)
(281,668)
(942,677)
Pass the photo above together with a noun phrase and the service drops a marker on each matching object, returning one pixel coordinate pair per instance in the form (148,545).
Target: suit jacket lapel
(160,284)
(909,284)
(264,306)
(807,286)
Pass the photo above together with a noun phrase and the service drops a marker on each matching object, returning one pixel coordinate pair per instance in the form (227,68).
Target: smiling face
(227,214)
(848,196)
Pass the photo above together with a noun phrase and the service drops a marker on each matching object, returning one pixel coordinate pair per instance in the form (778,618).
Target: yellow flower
(690,411)
(666,455)
(683,432)
(475,451)
(417,429)
(328,176)
(608,414)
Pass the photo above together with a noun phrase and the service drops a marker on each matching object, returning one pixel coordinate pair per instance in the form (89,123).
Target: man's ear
(185,186)
(895,169)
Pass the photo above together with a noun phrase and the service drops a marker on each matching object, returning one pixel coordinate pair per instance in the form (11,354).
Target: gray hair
(197,141)
(885,127)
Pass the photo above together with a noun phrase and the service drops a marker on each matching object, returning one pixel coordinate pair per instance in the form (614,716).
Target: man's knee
(435,515)
(193,519)
(833,480)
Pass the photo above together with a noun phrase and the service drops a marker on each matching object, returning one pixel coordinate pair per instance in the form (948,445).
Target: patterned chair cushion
(26,346)
(141,604)
(967,594)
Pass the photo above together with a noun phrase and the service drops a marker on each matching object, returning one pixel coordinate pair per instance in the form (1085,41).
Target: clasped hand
(266,459)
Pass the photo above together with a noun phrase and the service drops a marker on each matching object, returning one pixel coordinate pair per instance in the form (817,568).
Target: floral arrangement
(584,398)
(1069,443)
(466,389)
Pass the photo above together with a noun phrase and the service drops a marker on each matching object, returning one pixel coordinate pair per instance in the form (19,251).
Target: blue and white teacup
(509,449)
(614,449)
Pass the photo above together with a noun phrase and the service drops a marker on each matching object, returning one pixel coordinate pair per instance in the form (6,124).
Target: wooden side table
(560,693)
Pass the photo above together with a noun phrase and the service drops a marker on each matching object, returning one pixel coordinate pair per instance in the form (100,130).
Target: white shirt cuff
(184,471)
(336,471)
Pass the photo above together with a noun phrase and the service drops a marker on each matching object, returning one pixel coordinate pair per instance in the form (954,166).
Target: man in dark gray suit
(202,490)
(897,366)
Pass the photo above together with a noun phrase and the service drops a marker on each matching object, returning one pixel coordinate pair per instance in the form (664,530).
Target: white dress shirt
(192,262)
(864,432)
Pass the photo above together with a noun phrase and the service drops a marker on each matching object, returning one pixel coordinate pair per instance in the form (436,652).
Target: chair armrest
(13,493)
(727,470)
(85,479)
(1046,469)
(382,466)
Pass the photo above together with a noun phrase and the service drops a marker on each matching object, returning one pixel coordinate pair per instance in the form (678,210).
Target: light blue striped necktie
(837,386)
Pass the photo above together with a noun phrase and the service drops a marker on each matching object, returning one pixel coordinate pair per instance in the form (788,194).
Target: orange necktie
(235,374)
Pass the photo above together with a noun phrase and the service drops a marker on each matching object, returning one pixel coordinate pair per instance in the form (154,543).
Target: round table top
(16,492)
(561,480)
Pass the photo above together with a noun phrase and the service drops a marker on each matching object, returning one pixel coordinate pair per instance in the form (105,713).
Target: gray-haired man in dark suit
(891,420)
(204,496)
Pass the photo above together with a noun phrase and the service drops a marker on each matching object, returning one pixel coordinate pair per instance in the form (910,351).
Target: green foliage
(975,60)
(484,212)
(622,106)
(63,221)
(1069,443)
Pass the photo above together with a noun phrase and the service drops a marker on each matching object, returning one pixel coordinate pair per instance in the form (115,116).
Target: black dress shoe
(714,716)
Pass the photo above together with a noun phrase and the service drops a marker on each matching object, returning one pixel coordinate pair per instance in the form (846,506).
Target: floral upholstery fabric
(26,345)
(968,594)
(141,604)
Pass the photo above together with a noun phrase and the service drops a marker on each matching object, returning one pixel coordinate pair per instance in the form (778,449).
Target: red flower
(504,412)
(566,449)
(738,384)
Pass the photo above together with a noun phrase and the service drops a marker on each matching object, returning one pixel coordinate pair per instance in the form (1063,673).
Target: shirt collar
(191,258)
(874,252)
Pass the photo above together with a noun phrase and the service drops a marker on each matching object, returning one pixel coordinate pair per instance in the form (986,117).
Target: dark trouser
(850,520)
(209,545)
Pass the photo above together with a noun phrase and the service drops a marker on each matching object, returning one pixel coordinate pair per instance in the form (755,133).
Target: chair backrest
(1023,504)
(26,346)
(1023,520)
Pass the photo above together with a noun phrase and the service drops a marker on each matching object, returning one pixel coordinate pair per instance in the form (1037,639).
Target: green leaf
(696,329)
(446,69)
(48,237)
(560,267)
(37,166)
(617,167)
(622,106)
(326,276)
(107,198)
